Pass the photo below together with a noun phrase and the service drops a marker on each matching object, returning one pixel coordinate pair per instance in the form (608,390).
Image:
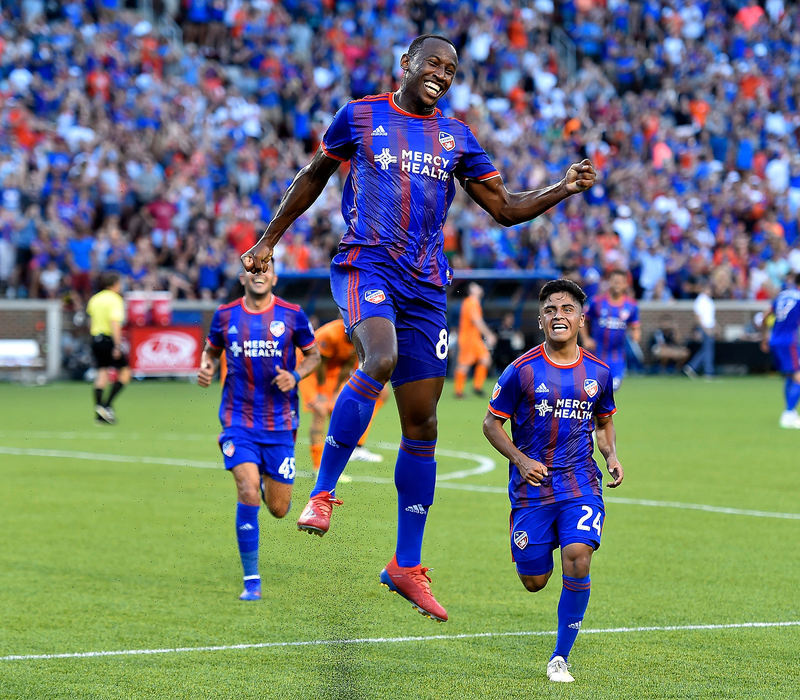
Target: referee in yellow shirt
(107,313)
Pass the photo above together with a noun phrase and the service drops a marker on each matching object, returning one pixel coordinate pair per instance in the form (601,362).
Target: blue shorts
(786,356)
(366,283)
(273,453)
(537,530)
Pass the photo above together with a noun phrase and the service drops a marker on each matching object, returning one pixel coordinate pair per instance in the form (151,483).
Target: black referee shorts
(102,351)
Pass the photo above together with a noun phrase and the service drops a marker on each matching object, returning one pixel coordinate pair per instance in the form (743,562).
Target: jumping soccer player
(106,310)
(555,395)
(390,274)
(609,317)
(472,350)
(783,344)
(258,412)
(319,390)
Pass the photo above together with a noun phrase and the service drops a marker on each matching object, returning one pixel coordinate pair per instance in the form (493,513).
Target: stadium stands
(124,146)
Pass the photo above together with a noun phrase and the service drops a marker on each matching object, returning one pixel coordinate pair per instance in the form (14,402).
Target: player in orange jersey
(318,391)
(472,349)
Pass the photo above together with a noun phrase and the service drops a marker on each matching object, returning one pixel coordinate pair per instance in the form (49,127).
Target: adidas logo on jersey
(542,388)
(417,508)
(380,131)
(232,330)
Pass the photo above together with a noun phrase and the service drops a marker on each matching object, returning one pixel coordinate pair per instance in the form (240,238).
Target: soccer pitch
(119,573)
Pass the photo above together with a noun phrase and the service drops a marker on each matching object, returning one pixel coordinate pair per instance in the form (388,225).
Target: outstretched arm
(301,194)
(510,208)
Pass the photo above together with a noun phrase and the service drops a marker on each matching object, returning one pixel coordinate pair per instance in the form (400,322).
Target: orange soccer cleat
(316,516)
(413,584)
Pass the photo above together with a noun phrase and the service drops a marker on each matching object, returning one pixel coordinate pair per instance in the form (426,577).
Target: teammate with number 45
(555,395)
(258,411)
(390,275)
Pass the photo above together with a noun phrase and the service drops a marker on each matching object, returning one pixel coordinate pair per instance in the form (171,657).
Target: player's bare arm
(607,444)
(531,470)
(510,208)
(286,381)
(301,194)
(208,364)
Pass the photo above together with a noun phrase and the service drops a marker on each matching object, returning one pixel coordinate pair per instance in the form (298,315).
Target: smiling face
(258,285)
(560,317)
(428,74)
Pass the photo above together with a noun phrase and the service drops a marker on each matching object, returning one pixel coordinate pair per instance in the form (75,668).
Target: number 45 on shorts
(287,469)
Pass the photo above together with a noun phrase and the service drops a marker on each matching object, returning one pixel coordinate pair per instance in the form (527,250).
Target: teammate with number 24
(390,274)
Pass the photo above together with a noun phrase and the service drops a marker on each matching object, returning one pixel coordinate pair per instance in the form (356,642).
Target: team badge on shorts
(228,448)
(447,141)
(496,391)
(590,387)
(374,296)
(521,539)
(277,328)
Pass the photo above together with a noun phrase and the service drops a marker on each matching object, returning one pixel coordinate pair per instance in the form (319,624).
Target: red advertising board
(165,350)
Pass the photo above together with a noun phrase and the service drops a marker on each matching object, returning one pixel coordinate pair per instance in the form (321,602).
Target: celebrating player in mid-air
(783,343)
(555,395)
(389,276)
(609,318)
(259,408)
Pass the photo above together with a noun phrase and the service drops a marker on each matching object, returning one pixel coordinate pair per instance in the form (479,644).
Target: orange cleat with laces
(413,584)
(316,516)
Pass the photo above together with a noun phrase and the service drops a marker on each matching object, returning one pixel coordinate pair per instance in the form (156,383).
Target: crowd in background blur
(128,144)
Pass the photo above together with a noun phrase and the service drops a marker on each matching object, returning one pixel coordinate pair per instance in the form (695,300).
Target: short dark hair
(562,285)
(618,271)
(416,45)
(108,279)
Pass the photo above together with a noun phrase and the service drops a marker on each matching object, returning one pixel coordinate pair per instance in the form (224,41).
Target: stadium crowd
(161,153)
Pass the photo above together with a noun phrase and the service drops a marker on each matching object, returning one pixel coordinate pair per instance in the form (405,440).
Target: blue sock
(247,537)
(571,608)
(415,479)
(792,392)
(349,420)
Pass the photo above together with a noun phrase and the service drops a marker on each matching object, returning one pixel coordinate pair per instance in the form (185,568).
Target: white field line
(440,482)
(388,640)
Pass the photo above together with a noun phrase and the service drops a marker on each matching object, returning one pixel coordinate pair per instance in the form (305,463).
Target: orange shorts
(310,388)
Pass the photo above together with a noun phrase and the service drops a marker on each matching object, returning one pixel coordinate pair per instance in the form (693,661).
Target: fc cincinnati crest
(374,296)
(496,391)
(447,141)
(277,328)
(590,387)
(228,448)
(521,539)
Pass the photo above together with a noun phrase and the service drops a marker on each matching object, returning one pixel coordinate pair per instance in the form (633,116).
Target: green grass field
(121,539)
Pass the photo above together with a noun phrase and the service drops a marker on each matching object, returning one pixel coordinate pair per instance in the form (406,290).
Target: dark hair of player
(416,45)
(618,271)
(108,279)
(562,285)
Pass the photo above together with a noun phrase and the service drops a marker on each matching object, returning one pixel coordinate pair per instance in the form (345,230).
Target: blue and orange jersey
(256,345)
(402,179)
(609,321)
(552,409)
(786,307)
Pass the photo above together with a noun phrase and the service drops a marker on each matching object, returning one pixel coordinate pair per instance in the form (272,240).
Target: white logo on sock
(575,625)
(246,526)
(417,508)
